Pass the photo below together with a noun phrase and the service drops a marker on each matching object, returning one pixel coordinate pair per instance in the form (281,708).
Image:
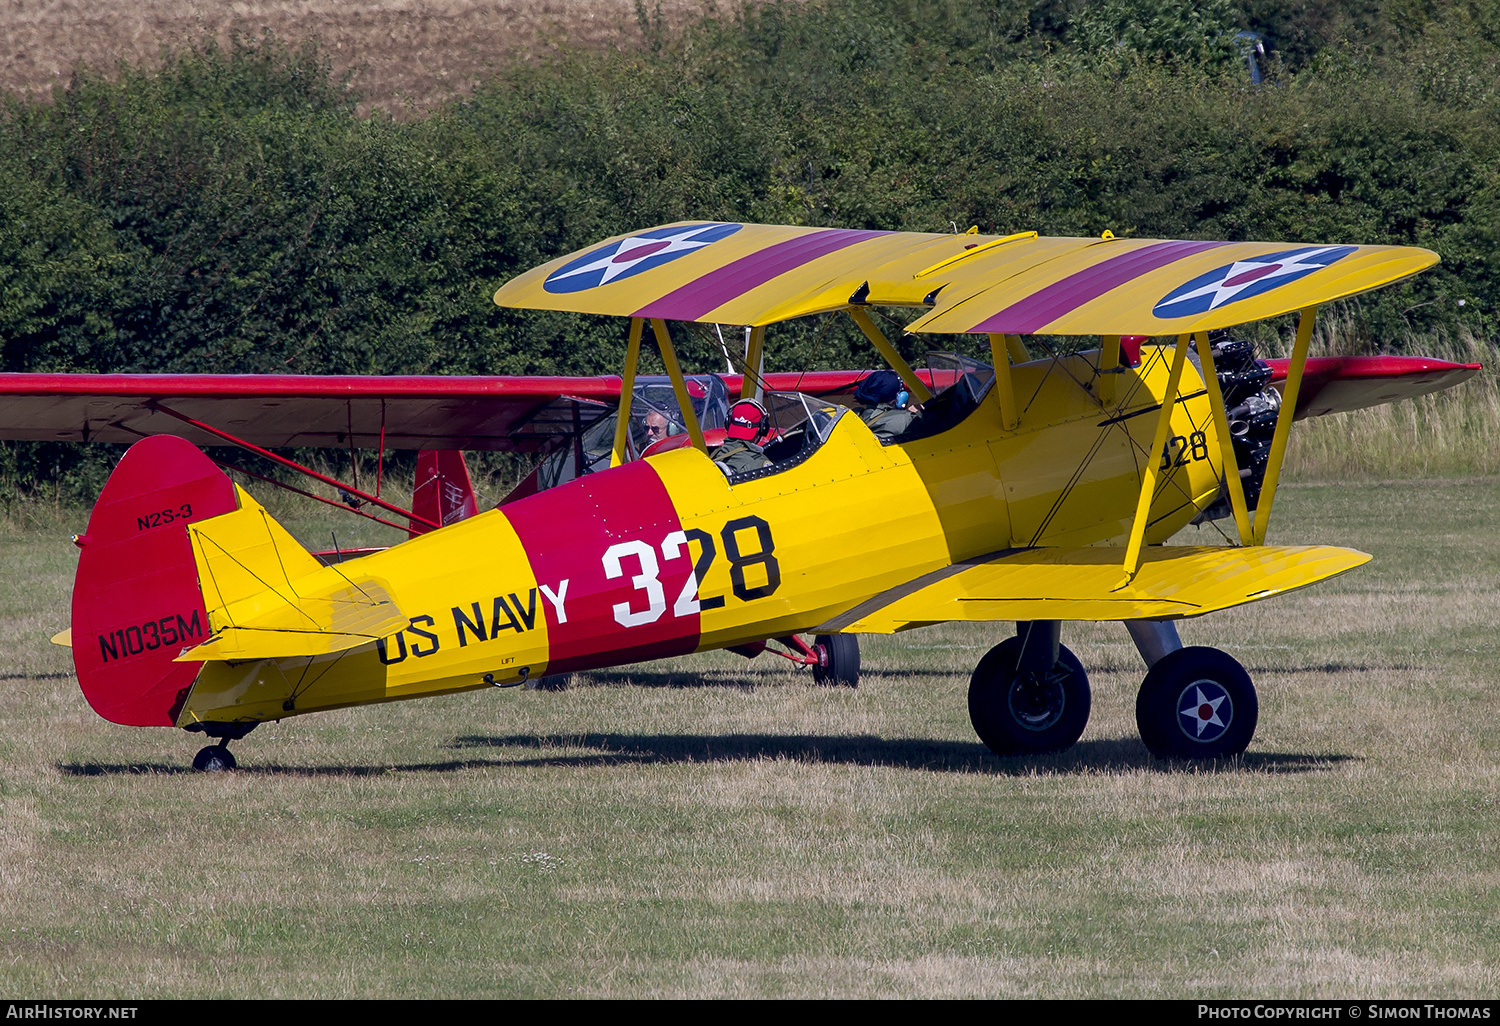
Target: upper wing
(1338,384)
(1166,287)
(1084,584)
(1020,284)
(723,273)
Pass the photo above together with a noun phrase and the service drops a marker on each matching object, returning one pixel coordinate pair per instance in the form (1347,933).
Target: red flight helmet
(748,421)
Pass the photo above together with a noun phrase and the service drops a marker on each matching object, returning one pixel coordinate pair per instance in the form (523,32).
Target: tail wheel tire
(1017,712)
(1197,703)
(838,660)
(214,759)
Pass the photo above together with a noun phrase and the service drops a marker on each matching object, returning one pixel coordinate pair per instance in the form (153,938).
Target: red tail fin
(136,603)
(444,494)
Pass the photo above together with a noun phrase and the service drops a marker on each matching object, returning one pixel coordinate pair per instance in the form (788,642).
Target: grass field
(716,827)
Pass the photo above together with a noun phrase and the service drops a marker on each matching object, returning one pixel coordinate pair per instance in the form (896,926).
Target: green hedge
(230,211)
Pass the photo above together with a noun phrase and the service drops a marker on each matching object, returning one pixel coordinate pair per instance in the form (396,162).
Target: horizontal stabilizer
(1084,584)
(269,598)
(315,625)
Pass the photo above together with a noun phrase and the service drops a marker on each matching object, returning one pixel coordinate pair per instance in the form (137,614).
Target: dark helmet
(748,420)
(880,387)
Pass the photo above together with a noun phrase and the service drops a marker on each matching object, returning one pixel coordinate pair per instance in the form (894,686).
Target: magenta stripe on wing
(1062,297)
(733,280)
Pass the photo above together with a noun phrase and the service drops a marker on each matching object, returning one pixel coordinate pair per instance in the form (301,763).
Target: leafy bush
(231,211)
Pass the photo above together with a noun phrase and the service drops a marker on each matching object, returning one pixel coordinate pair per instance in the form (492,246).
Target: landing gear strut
(1029,694)
(834,658)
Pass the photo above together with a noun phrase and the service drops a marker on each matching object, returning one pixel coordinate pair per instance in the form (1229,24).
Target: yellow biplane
(1018,488)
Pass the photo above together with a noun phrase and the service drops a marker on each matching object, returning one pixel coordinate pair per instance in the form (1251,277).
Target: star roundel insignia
(1246,278)
(634,255)
(1204,710)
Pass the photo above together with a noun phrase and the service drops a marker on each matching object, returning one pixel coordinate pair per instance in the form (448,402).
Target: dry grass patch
(400,54)
(715,827)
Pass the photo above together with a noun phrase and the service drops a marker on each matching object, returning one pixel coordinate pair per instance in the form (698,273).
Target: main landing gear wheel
(1018,712)
(214,759)
(838,659)
(1197,703)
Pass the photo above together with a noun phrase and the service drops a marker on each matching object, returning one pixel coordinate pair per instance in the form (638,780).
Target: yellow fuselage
(664,556)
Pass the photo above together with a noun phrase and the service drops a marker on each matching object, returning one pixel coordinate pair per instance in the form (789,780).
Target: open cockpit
(799,422)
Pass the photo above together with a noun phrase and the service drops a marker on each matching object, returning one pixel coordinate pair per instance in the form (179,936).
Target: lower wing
(1084,584)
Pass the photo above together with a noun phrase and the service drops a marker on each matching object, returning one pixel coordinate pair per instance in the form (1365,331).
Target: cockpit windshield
(959,383)
(795,426)
(655,414)
(797,411)
(800,423)
(954,370)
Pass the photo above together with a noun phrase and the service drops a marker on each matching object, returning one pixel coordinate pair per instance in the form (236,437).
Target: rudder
(136,600)
(443,491)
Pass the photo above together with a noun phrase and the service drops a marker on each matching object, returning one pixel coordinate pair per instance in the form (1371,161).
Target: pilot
(657,427)
(886,405)
(748,426)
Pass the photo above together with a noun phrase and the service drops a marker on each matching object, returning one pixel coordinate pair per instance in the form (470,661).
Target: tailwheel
(1197,703)
(1023,712)
(214,759)
(838,659)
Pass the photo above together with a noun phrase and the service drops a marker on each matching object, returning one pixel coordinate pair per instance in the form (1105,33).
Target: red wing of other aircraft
(507,414)
(497,414)
(443,415)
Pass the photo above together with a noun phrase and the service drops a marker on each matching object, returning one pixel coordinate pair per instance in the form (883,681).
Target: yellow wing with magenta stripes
(1024,283)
